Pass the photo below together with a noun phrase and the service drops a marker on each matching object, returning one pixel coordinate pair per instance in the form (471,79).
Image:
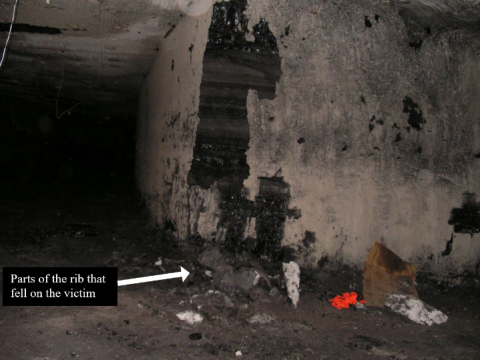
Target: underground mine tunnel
(282,152)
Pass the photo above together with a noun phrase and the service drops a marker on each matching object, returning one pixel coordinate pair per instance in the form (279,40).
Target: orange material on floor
(344,301)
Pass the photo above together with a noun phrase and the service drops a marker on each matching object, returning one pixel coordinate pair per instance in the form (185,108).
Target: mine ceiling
(93,52)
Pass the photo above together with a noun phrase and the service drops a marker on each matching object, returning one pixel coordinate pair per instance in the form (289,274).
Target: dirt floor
(97,220)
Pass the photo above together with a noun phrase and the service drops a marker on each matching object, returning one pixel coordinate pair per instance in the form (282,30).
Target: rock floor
(100,223)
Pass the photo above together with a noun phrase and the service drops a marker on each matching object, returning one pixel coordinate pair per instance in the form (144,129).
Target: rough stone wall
(373,135)
(376,134)
(167,122)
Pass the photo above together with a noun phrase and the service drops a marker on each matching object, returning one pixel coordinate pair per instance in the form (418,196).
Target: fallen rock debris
(292,278)
(213,258)
(236,279)
(388,354)
(415,309)
(262,318)
(389,281)
(361,305)
(190,317)
(385,273)
(228,278)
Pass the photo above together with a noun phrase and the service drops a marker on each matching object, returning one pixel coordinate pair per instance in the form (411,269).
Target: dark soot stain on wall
(309,239)
(415,118)
(270,209)
(466,220)
(271,212)
(449,247)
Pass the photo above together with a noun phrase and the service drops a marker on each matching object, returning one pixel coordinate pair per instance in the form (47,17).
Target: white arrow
(183,274)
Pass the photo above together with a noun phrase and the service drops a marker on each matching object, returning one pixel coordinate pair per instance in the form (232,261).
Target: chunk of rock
(213,258)
(242,277)
(415,309)
(380,351)
(385,273)
(262,318)
(190,317)
(360,306)
(292,278)
(231,280)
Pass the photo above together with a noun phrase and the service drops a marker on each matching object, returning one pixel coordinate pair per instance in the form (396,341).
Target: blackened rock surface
(309,239)
(271,213)
(449,247)
(223,133)
(415,118)
(232,66)
(264,39)
(466,219)
(235,211)
(228,28)
(270,209)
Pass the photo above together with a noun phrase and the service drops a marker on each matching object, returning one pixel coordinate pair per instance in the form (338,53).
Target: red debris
(344,301)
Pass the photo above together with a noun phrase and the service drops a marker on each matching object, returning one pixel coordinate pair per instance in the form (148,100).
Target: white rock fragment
(209,273)
(262,318)
(228,302)
(361,306)
(415,309)
(292,277)
(238,353)
(190,317)
(388,354)
(159,262)
(257,278)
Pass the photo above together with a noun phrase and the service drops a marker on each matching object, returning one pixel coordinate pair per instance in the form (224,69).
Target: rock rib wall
(373,134)
(167,122)
(376,133)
